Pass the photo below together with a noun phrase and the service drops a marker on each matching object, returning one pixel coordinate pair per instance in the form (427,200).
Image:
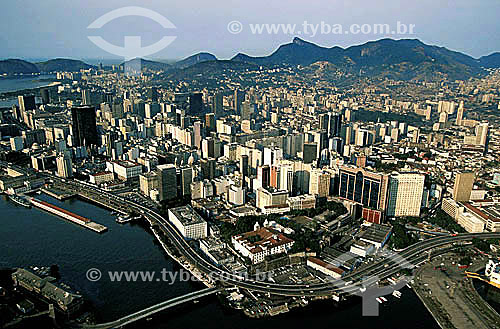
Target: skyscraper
(84,126)
(168,181)
(239,98)
(64,165)
(460,114)
(482,134)
(86,99)
(463,186)
(44,92)
(405,194)
(26,103)
(218,104)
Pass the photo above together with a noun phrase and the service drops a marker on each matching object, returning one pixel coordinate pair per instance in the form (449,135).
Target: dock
(57,193)
(77,219)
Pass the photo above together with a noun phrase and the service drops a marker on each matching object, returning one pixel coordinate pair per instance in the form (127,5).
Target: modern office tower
(45,93)
(365,187)
(264,175)
(460,114)
(208,167)
(405,194)
(208,148)
(16,143)
(64,165)
(336,144)
(186,174)
(86,97)
(323,121)
(149,182)
(274,177)
(268,198)
(167,182)
(309,152)
(482,134)
(286,179)
(244,169)
(210,122)
(26,103)
(239,98)
(334,124)
(464,181)
(272,155)
(319,183)
(108,97)
(117,110)
(152,94)
(151,109)
(247,109)
(197,134)
(218,105)
(84,126)
(195,101)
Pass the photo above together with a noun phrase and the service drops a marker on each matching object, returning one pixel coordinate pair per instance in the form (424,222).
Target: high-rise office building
(482,134)
(264,175)
(405,194)
(64,165)
(197,132)
(84,126)
(86,97)
(239,98)
(218,104)
(319,183)
(460,114)
(365,187)
(168,181)
(244,170)
(334,124)
(210,122)
(464,181)
(26,103)
(45,93)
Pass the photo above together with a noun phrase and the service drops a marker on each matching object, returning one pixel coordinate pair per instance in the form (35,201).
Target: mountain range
(397,59)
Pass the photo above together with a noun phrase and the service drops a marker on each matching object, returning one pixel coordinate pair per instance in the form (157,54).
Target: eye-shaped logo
(132,44)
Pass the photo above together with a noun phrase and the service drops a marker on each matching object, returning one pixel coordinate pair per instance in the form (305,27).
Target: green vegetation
(400,237)
(483,245)
(445,221)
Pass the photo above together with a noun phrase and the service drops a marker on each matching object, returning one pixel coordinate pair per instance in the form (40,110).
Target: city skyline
(63,32)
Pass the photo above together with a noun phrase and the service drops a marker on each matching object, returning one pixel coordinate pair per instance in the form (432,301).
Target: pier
(77,219)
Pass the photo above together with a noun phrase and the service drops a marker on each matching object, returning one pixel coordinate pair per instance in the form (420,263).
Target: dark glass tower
(84,126)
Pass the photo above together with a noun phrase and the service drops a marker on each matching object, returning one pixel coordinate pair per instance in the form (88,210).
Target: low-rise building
(260,243)
(188,222)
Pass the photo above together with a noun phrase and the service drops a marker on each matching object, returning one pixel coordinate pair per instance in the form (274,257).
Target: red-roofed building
(260,243)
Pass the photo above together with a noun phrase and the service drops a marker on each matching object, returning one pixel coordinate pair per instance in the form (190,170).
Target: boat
(20,201)
(383,299)
(196,301)
(123,219)
(379,300)
(397,293)
(408,285)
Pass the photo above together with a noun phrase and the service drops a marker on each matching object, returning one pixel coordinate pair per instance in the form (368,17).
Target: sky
(34,29)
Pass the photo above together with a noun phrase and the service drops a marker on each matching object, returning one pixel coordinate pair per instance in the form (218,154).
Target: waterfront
(33,237)
(11,84)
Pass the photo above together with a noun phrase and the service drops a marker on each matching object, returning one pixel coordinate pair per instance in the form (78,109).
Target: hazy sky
(58,28)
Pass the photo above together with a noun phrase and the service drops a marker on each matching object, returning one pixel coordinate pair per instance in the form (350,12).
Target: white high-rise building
(64,166)
(405,194)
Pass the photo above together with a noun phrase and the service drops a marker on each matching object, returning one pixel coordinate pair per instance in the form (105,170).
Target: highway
(384,268)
